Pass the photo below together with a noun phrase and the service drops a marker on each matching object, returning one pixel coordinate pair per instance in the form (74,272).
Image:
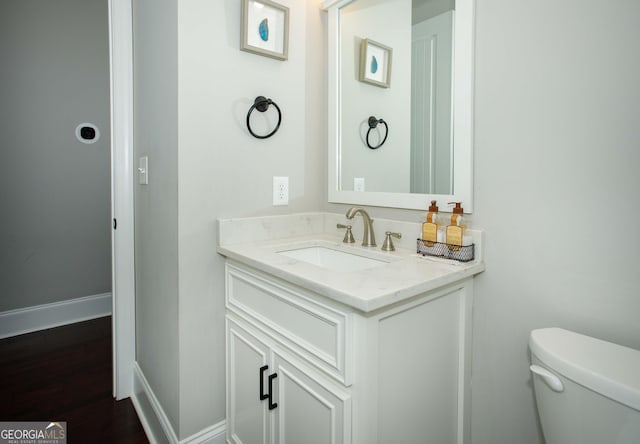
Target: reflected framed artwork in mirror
(375,63)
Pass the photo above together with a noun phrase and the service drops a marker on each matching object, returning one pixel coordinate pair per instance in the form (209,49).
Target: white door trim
(122,239)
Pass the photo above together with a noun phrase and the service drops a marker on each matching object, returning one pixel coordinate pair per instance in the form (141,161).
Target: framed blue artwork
(375,63)
(265,28)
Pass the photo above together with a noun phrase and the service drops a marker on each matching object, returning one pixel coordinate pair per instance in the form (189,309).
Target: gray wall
(426,9)
(55,236)
(155,42)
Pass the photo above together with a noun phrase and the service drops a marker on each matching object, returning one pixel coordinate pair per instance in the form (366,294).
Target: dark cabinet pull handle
(272,405)
(269,394)
(263,396)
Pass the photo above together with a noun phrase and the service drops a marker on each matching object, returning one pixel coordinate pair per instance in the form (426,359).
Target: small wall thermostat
(87,133)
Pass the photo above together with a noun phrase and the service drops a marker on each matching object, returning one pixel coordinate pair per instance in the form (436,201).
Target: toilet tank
(590,393)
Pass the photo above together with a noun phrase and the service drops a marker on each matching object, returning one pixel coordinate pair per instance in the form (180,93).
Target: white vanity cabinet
(399,374)
(274,396)
(306,411)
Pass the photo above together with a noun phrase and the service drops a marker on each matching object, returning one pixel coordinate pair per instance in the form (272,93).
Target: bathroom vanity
(330,342)
(338,343)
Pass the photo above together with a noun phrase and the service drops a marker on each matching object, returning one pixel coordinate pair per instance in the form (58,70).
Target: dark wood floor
(64,374)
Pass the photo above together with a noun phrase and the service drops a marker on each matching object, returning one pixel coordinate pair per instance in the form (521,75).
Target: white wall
(556,183)
(388,167)
(555,155)
(204,165)
(557,150)
(55,225)
(225,172)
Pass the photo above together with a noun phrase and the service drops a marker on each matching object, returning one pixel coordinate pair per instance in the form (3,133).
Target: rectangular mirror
(426,102)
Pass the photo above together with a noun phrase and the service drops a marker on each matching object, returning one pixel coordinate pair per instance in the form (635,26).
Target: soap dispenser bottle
(455,232)
(431,232)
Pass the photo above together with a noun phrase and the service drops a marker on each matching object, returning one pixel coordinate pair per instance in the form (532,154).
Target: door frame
(122,186)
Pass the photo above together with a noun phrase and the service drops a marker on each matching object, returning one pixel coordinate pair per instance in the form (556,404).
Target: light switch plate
(143,170)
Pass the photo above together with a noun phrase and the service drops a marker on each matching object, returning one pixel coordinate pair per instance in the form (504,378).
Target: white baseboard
(41,317)
(215,434)
(155,422)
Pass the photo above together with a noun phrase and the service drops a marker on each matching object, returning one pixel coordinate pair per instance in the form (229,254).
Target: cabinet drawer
(294,317)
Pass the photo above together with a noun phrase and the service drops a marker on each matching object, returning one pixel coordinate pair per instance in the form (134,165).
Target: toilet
(587,390)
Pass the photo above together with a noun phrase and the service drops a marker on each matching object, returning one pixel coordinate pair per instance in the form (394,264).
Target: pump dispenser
(430,228)
(455,231)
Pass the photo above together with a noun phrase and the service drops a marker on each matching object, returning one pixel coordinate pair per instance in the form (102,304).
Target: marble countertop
(406,274)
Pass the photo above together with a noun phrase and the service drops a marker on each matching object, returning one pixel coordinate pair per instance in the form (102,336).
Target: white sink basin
(335,260)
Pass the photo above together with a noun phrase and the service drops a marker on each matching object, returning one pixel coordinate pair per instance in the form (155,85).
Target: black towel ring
(373,122)
(261,103)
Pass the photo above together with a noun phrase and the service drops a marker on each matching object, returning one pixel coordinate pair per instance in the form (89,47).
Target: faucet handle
(388,242)
(348,236)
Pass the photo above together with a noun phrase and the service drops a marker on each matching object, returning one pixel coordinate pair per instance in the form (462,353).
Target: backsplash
(256,229)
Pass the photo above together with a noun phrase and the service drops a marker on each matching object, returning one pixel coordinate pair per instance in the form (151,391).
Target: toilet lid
(609,369)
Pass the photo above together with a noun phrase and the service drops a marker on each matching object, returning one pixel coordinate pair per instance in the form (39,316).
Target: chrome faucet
(368,238)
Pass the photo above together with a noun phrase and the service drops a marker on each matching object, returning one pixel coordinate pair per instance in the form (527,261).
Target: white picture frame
(265,29)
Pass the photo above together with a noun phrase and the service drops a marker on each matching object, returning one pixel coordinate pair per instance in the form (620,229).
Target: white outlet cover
(280,190)
(358,184)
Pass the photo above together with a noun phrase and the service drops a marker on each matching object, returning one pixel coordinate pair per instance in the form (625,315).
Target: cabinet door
(247,414)
(310,410)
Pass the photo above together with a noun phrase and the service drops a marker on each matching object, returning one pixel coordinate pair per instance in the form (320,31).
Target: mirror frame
(463,64)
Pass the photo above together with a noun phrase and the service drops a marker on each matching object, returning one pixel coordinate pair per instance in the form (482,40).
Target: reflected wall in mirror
(417,155)
(427,106)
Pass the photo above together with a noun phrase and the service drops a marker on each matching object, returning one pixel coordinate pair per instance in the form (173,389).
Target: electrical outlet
(280,190)
(358,184)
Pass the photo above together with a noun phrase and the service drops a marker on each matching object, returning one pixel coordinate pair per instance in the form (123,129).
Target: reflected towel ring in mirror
(261,103)
(373,123)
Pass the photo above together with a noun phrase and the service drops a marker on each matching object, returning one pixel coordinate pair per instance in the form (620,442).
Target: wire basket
(440,249)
